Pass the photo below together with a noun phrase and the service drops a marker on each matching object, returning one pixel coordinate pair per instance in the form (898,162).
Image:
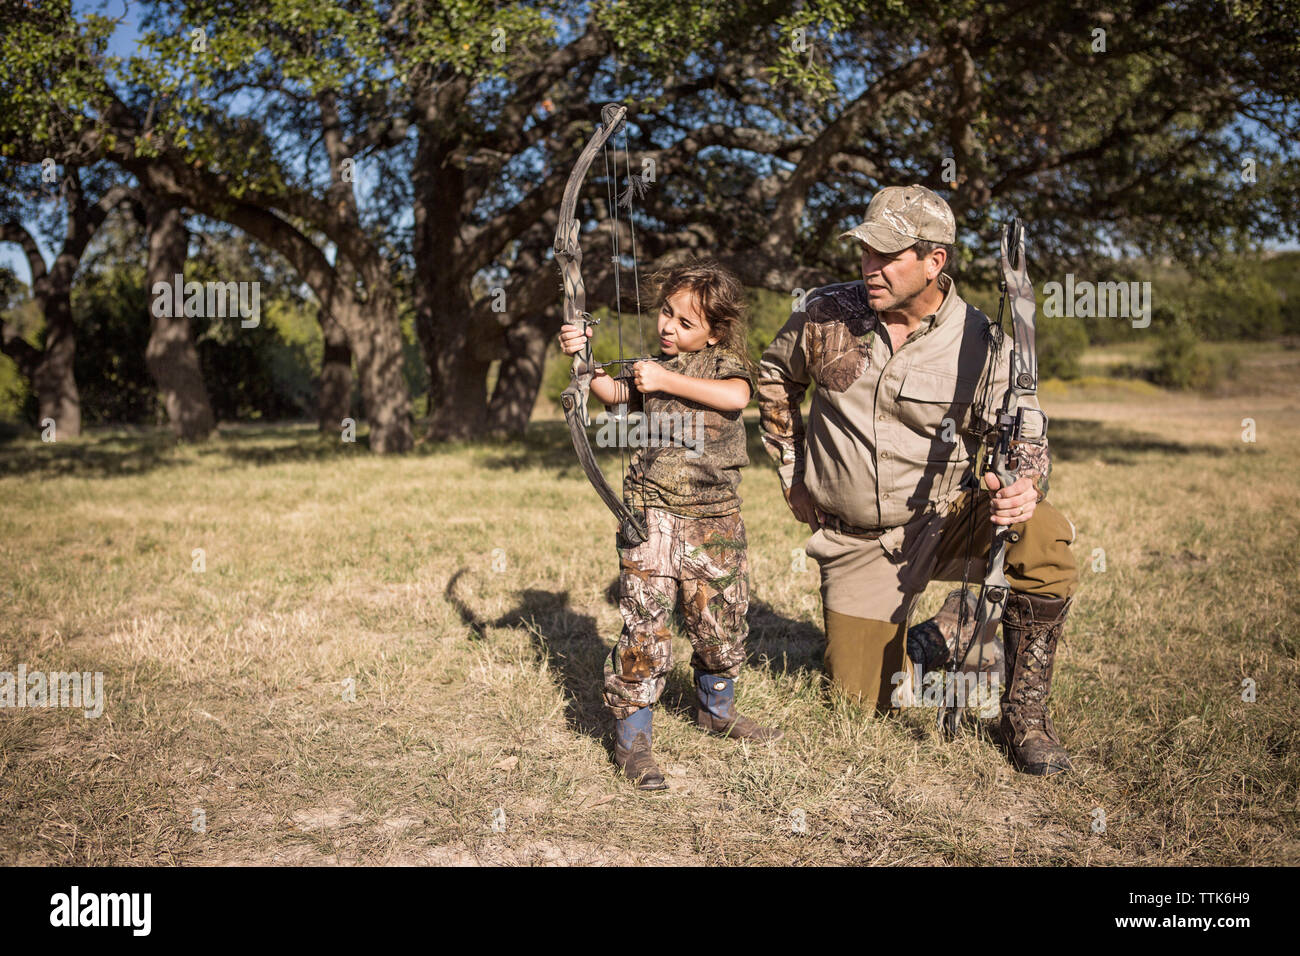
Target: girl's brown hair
(721,298)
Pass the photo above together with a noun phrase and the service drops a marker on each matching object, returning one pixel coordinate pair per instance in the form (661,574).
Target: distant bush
(1060,345)
(1282,271)
(21,316)
(1234,303)
(13,391)
(1180,362)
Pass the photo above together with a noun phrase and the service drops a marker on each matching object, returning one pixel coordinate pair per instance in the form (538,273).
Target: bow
(1016,425)
(568,253)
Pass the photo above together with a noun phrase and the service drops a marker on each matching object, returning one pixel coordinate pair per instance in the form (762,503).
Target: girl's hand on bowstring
(650,377)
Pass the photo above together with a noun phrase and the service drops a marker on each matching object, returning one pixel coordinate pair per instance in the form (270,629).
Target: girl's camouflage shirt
(688,456)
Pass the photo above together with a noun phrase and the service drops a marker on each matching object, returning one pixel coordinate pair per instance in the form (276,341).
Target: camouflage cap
(900,215)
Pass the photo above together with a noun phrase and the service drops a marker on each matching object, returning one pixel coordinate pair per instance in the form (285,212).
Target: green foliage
(1231,301)
(19,312)
(1249,297)
(768,313)
(264,372)
(259,372)
(1282,273)
(1060,345)
(49,58)
(1180,362)
(413,367)
(111,312)
(288,355)
(13,391)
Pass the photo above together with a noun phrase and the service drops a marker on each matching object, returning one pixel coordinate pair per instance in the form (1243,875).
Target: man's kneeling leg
(865,658)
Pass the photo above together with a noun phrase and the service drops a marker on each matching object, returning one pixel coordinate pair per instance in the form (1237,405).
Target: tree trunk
(379,369)
(458,384)
(334,401)
(520,376)
(171,356)
(458,407)
(53,380)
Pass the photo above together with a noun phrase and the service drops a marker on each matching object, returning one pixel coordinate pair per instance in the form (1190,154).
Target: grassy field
(462,597)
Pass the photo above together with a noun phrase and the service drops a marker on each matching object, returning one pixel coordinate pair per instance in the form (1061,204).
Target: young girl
(687,492)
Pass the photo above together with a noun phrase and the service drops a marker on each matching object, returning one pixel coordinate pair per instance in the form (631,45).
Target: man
(880,472)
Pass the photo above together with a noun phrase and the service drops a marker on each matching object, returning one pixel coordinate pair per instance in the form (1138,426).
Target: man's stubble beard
(899,304)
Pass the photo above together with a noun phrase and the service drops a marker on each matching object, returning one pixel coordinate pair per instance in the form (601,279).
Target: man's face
(894,279)
(681,325)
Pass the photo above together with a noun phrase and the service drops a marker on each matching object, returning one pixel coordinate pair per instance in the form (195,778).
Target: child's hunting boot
(1031,628)
(716,714)
(632,751)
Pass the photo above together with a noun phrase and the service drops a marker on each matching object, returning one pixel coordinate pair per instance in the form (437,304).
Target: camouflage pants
(701,560)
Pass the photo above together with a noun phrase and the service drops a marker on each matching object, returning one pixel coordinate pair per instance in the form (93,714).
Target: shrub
(1180,363)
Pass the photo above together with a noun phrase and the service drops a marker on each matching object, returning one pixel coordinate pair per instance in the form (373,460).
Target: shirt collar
(950,303)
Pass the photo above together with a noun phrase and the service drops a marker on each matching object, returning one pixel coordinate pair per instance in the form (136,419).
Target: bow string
(568,254)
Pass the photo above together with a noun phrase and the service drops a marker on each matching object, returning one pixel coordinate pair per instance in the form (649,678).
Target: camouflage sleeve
(729,366)
(1036,462)
(782,381)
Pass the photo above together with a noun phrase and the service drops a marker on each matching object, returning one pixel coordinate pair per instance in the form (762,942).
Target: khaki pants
(869,586)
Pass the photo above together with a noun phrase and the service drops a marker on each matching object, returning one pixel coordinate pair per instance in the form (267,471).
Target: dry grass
(478,690)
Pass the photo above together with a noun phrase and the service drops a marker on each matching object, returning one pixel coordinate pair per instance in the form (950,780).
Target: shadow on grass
(569,640)
(109,455)
(574,651)
(137,450)
(545,445)
(1080,439)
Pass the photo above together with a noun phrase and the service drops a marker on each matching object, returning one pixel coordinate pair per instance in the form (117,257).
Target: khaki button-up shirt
(890,434)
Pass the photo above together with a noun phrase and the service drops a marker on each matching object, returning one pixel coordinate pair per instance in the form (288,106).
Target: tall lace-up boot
(1031,628)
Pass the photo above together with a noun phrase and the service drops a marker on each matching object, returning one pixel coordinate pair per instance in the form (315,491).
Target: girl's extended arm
(609,390)
(725,394)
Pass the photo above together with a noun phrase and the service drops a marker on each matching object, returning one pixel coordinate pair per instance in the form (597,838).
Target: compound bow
(1016,425)
(568,253)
